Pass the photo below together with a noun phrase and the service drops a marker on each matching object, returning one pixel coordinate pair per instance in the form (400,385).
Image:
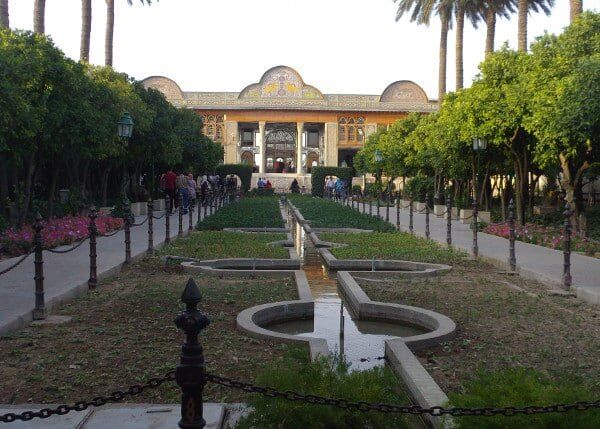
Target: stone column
(331,144)
(262,151)
(230,139)
(299,131)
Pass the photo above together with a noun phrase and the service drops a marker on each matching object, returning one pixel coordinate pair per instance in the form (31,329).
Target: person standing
(191,189)
(182,189)
(170,187)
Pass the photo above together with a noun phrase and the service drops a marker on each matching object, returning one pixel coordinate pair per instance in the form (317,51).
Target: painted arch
(281,82)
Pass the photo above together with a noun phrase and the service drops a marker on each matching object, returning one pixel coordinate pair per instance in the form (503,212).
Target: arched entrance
(280,151)
(247,158)
(312,160)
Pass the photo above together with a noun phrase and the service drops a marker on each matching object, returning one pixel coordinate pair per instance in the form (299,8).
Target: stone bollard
(167,220)
(475,227)
(93,230)
(150,227)
(411,225)
(427,216)
(512,260)
(449,221)
(180,230)
(128,240)
(39,312)
(190,374)
(398,212)
(566,277)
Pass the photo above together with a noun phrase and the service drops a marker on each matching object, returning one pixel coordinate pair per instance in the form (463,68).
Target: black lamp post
(124,131)
(479,145)
(379,161)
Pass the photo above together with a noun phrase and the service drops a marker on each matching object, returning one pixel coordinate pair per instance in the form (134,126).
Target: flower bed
(547,236)
(56,232)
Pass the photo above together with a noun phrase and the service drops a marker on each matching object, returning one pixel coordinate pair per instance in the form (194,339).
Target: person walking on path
(170,187)
(182,188)
(192,189)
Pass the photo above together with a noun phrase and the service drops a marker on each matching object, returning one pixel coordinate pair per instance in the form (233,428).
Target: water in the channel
(360,342)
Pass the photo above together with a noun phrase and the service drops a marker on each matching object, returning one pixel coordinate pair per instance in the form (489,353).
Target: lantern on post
(125,126)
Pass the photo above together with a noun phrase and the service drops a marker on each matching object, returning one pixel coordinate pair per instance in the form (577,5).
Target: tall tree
(523,8)
(470,9)
(86,29)
(4,14)
(110,29)
(576,8)
(420,12)
(491,10)
(39,14)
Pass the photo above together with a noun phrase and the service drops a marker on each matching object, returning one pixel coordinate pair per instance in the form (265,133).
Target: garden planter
(465,215)
(159,204)
(439,210)
(484,216)
(454,212)
(404,204)
(139,209)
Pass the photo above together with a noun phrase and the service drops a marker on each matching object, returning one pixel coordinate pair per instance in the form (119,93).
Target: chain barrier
(115,232)
(83,240)
(98,401)
(159,217)
(363,406)
(141,223)
(16,264)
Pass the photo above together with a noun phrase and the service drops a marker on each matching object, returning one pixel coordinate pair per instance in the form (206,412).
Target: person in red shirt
(170,180)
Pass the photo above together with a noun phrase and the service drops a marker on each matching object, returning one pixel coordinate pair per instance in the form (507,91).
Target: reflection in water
(361,342)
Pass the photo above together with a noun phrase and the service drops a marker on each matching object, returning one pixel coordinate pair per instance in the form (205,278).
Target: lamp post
(378,161)
(361,133)
(479,145)
(124,131)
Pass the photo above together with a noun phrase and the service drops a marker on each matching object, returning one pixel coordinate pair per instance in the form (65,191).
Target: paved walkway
(535,262)
(66,275)
(122,416)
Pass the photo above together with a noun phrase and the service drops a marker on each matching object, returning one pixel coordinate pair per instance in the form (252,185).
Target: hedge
(320,173)
(242,170)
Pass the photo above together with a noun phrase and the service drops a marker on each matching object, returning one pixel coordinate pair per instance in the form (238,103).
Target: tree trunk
(39,12)
(104,186)
(4,21)
(30,170)
(490,22)
(576,7)
(52,190)
(523,10)
(86,29)
(460,27)
(443,55)
(110,28)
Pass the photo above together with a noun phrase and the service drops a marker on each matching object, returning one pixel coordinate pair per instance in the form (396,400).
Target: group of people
(181,186)
(335,188)
(264,183)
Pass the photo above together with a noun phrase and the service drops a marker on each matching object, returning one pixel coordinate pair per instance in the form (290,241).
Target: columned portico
(299,131)
(261,128)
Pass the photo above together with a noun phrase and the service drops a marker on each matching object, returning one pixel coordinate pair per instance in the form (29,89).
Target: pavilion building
(284,127)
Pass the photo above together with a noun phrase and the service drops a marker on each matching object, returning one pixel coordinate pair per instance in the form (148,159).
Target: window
(351,130)
(213,126)
(313,139)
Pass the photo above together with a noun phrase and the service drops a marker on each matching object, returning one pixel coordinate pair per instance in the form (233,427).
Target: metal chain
(16,264)
(399,409)
(115,232)
(159,217)
(141,223)
(69,249)
(98,401)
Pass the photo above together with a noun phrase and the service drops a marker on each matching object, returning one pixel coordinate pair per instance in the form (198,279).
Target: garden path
(66,275)
(535,262)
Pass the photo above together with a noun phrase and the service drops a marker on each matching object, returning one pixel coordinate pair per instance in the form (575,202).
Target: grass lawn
(223,244)
(258,212)
(390,245)
(500,328)
(123,332)
(327,214)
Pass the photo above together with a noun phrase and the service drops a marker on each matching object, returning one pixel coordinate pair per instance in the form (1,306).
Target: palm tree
(86,29)
(4,14)
(420,12)
(110,29)
(523,8)
(576,8)
(470,9)
(492,9)
(39,13)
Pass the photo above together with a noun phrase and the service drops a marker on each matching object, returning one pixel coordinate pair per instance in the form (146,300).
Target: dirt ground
(501,327)
(123,333)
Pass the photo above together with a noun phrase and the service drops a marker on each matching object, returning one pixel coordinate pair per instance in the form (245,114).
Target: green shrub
(319,174)
(323,378)
(418,186)
(3,224)
(242,170)
(522,387)
(246,213)
(264,192)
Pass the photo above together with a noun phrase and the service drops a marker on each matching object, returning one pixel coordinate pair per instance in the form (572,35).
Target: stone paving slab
(66,275)
(125,416)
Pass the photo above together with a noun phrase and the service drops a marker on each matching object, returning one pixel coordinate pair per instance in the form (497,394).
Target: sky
(339,46)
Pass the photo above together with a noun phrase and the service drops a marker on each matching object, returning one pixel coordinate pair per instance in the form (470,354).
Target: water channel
(360,342)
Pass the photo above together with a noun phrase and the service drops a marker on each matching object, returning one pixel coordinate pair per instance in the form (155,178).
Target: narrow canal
(360,342)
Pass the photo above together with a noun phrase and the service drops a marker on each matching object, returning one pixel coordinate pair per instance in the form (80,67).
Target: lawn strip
(253,212)
(390,245)
(123,333)
(328,214)
(500,328)
(225,244)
